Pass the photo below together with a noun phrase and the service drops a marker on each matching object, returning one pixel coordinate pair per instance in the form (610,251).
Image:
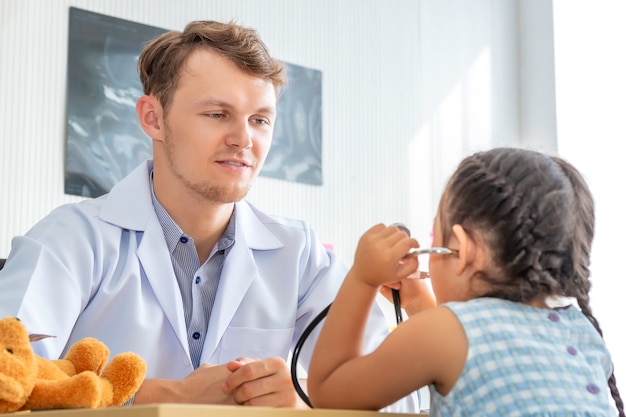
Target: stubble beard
(204,190)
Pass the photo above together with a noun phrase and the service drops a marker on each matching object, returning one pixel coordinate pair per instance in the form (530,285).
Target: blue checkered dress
(527,361)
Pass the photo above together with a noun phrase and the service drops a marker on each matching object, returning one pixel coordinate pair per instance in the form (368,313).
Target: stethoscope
(322,314)
(307,332)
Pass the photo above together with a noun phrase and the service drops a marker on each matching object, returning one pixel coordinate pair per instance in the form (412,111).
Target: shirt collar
(173,232)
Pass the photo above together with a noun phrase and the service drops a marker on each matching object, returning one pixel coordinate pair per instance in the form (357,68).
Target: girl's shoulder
(518,352)
(486,306)
(479,309)
(514,320)
(485,320)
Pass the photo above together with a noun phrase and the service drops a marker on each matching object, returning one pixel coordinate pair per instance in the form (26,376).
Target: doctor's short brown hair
(161,60)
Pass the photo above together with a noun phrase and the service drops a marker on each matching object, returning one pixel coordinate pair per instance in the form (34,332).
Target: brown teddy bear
(82,379)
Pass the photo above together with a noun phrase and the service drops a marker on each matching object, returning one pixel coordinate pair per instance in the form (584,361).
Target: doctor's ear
(148,111)
(152,120)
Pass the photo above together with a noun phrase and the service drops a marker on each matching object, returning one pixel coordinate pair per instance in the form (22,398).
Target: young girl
(519,225)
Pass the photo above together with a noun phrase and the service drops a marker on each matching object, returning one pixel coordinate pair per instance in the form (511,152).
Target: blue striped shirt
(198,283)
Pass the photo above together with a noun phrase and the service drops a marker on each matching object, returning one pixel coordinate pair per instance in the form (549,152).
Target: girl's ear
(149,114)
(470,254)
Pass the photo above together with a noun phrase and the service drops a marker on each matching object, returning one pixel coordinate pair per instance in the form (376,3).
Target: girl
(519,226)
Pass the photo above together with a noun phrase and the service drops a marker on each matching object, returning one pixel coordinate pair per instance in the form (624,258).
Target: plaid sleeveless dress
(527,361)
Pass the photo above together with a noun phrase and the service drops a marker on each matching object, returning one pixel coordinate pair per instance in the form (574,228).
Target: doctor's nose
(240,136)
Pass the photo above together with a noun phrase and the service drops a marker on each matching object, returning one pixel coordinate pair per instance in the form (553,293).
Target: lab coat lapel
(134,191)
(156,262)
(238,273)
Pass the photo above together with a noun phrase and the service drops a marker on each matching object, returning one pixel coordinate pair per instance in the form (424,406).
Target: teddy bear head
(17,365)
(83,378)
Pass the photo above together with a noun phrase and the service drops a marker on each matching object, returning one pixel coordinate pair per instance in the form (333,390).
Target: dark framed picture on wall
(296,152)
(104,140)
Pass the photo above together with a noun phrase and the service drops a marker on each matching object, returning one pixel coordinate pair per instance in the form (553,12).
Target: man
(173,264)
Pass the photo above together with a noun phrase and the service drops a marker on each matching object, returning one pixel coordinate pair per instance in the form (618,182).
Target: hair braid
(514,198)
(536,216)
(584,231)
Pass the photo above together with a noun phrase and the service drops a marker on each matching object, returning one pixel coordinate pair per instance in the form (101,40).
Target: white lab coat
(101,268)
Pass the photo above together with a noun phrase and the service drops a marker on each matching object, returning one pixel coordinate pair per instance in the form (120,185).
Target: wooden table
(192,410)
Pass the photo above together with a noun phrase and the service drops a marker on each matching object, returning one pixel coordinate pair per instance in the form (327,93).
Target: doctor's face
(218,128)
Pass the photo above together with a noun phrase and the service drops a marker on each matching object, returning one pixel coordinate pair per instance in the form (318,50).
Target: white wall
(369,89)
(590,40)
(409,88)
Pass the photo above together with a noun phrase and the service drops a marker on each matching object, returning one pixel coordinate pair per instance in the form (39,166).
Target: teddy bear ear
(34,337)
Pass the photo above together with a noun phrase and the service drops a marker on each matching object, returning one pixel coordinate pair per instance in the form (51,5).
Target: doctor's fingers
(204,385)
(272,390)
(250,370)
(285,398)
(238,363)
(208,373)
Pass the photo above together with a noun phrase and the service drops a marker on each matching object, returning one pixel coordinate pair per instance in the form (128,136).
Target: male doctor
(173,264)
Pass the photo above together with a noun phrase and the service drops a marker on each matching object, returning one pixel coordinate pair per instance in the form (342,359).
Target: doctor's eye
(261,121)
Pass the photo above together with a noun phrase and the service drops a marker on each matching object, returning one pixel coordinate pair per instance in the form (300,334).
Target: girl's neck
(538,302)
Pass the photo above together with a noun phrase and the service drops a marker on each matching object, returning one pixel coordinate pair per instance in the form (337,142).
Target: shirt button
(184,239)
(593,388)
(554,317)
(197,280)
(572,350)
(196,335)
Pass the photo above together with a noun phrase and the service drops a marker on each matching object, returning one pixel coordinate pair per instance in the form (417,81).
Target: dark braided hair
(582,250)
(536,216)
(522,204)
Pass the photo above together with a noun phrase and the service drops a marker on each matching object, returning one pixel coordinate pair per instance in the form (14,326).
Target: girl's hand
(415,295)
(379,255)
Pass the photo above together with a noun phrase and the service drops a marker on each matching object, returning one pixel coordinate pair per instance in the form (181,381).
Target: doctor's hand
(202,386)
(262,382)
